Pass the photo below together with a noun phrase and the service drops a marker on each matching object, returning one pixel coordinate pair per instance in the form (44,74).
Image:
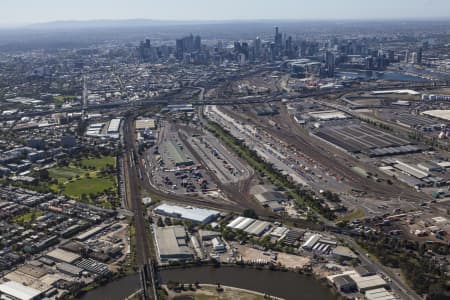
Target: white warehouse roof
(194,214)
(114,125)
(380,294)
(249,225)
(409,92)
(19,291)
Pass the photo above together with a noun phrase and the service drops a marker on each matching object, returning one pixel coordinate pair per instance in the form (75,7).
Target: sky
(15,12)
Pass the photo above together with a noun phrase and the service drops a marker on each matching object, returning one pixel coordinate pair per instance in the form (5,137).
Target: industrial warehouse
(194,214)
(361,138)
(172,243)
(250,226)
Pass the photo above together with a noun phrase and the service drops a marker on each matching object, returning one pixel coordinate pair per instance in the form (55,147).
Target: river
(287,285)
(115,290)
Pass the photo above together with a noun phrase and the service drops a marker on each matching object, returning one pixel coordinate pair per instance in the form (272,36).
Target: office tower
(278,43)
(289,47)
(330,61)
(369,62)
(144,50)
(406,56)
(414,57)
(179,48)
(419,56)
(257,46)
(198,43)
(391,55)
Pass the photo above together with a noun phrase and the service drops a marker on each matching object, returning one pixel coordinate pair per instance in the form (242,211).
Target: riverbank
(282,284)
(210,292)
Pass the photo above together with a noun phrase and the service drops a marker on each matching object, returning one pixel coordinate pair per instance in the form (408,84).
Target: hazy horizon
(12,12)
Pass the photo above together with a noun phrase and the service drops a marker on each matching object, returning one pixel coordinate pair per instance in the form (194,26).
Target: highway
(171,99)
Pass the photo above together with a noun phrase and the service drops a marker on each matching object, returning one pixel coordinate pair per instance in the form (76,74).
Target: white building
(12,290)
(218,245)
(194,214)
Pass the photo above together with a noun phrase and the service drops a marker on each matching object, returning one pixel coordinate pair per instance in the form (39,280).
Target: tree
(250,213)
(44,175)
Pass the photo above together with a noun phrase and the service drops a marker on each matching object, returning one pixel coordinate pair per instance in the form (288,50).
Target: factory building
(114,126)
(362,283)
(250,226)
(143,124)
(194,214)
(345,284)
(218,245)
(171,243)
(328,115)
(380,294)
(69,269)
(343,252)
(311,241)
(12,290)
(366,283)
(60,255)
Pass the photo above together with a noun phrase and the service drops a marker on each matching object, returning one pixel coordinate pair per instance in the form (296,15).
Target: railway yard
(373,177)
(365,165)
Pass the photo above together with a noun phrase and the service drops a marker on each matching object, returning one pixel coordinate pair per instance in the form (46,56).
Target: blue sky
(32,11)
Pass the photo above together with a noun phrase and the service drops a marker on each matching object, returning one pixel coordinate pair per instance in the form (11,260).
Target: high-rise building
(391,55)
(289,47)
(414,57)
(145,51)
(419,56)
(278,43)
(330,62)
(406,58)
(179,48)
(257,46)
(198,43)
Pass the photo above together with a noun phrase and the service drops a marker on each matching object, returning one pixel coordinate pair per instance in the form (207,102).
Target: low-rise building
(17,291)
(171,243)
(218,245)
(194,214)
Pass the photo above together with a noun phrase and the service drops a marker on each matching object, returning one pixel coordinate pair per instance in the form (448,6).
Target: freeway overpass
(170,99)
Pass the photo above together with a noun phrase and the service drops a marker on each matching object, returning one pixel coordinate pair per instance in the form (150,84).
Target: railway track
(134,202)
(293,135)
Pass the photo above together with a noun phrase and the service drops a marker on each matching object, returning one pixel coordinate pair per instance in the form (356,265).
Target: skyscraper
(278,43)
(330,61)
(197,43)
(419,56)
(257,46)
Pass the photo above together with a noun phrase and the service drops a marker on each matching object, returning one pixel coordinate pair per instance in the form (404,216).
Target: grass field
(86,186)
(99,163)
(88,182)
(62,98)
(65,173)
(27,217)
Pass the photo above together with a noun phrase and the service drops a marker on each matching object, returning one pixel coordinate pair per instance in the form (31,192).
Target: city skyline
(13,14)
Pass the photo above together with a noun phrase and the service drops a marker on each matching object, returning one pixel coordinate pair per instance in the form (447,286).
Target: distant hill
(122,23)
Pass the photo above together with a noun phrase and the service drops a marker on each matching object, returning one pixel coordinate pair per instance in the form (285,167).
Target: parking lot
(175,169)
